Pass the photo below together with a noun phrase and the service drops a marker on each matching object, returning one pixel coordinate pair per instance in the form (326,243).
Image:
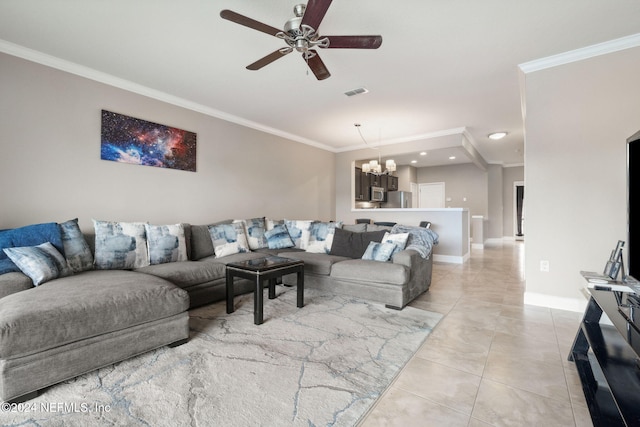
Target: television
(633,211)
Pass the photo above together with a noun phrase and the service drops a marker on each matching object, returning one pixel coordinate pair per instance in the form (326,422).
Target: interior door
(431,195)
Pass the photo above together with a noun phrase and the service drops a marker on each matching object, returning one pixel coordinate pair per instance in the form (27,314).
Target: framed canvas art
(126,139)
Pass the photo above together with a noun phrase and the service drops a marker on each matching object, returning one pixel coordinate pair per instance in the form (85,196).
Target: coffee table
(268,268)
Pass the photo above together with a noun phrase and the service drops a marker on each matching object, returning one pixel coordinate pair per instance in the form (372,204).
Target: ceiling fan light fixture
(497,135)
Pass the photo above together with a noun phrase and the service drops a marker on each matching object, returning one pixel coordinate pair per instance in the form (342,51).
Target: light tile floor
(492,360)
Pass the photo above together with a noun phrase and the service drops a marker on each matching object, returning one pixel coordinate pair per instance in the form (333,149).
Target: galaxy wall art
(126,139)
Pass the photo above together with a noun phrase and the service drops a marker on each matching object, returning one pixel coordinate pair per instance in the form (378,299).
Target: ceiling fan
(300,34)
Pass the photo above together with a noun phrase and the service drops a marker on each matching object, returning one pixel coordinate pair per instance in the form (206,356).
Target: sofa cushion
(352,245)
(76,249)
(201,244)
(10,283)
(120,245)
(166,243)
(30,235)
(187,273)
(313,262)
(41,263)
(360,270)
(55,313)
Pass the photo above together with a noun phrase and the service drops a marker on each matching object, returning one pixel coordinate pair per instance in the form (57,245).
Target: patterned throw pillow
(30,235)
(278,237)
(300,232)
(399,239)
(41,263)
(321,236)
(228,239)
(120,245)
(76,248)
(255,229)
(379,251)
(166,243)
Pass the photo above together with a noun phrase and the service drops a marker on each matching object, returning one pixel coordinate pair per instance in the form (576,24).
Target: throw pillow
(270,223)
(166,243)
(41,263)
(321,236)
(255,229)
(379,251)
(30,235)
(76,249)
(228,239)
(300,231)
(399,239)
(353,245)
(278,237)
(120,245)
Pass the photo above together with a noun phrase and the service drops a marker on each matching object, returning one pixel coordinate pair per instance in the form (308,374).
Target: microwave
(377,194)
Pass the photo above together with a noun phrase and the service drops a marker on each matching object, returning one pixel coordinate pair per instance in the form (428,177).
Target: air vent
(357,91)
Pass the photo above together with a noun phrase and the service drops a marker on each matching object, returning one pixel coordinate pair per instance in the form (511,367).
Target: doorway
(518,210)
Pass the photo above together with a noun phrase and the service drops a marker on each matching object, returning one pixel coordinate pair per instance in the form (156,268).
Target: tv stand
(606,357)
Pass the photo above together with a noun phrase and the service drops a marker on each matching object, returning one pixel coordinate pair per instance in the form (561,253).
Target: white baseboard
(551,301)
(477,245)
(451,259)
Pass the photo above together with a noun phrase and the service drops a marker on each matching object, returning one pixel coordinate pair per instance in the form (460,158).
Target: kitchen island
(451,224)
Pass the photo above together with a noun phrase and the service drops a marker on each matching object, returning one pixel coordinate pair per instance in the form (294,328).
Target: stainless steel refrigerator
(398,199)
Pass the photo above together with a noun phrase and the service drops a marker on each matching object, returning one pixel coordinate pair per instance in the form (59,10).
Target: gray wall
(50,167)
(578,117)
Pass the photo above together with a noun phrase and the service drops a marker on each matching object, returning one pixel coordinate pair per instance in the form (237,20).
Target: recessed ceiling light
(424,153)
(497,135)
(452,157)
(414,161)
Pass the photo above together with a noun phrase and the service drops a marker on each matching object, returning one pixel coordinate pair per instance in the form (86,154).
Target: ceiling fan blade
(314,13)
(354,42)
(267,59)
(317,66)
(248,22)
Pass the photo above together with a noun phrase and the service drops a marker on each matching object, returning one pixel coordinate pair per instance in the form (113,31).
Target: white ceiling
(442,65)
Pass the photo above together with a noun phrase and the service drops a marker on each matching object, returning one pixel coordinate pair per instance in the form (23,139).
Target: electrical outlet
(544,265)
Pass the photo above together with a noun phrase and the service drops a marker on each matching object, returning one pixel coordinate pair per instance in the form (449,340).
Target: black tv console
(607,359)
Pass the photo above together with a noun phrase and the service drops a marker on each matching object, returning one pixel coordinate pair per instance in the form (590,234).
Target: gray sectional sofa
(93,318)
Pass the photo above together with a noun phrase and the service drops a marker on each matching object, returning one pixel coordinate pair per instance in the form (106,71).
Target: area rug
(321,365)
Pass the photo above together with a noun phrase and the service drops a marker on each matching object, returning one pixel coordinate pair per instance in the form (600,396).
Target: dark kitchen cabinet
(362,185)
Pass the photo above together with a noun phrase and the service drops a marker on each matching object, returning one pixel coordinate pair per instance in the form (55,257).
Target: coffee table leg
(257,302)
(300,286)
(230,308)
(272,288)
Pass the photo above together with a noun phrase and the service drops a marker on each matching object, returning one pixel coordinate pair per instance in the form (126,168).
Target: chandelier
(374,167)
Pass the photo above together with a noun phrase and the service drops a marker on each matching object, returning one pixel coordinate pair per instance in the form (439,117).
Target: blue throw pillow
(379,251)
(228,239)
(166,243)
(278,237)
(41,263)
(76,248)
(30,235)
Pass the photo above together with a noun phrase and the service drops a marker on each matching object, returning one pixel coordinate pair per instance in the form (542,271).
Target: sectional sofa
(126,289)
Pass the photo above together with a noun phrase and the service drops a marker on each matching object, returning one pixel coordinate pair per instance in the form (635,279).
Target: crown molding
(108,79)
(437,134)
(611,46)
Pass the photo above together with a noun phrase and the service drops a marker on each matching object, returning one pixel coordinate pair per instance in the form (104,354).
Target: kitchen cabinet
(362,185)
(392,183)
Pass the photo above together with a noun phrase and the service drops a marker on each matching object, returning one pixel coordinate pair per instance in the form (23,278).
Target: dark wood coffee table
(268,268)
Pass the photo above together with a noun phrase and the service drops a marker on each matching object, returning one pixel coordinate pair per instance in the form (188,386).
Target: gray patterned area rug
(321,365)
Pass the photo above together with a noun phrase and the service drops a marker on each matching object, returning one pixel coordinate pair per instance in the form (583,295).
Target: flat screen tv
(633,211)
